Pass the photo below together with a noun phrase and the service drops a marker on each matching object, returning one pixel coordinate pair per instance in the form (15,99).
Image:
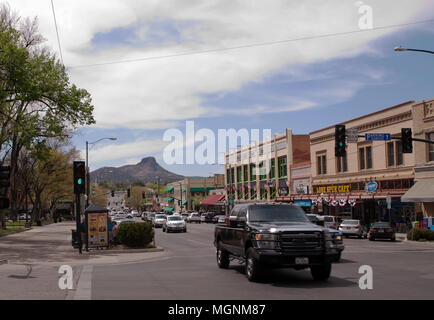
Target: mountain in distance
(145,171)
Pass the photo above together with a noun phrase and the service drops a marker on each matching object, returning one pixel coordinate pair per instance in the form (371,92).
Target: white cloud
(128,150)
(147,94)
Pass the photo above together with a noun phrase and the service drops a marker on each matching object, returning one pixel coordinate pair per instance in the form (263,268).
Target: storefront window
(239,174)
(262,171)
(246,173)
(252,172)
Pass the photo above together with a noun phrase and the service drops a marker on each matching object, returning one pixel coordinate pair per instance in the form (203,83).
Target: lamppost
(87,167)
(417,50)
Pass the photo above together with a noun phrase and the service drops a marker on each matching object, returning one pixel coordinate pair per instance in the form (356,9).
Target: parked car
(330,222)
(184,216)
(381,230)
(313,218)
(216,218)
(202,217)
(351,228)
(194,218)
(209,216)
(174,223)
(222,220)
(159,220)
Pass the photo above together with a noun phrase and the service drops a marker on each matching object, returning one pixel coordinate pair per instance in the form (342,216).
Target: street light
(398,49)
(87,167)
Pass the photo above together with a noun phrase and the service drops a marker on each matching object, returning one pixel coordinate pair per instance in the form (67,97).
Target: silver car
(351,228)
(159,220)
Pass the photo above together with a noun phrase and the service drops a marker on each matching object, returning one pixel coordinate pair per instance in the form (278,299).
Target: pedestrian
(115,233)
(83,233)
(110,229)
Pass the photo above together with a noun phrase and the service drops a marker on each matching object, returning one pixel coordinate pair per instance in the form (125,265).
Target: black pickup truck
(275,235)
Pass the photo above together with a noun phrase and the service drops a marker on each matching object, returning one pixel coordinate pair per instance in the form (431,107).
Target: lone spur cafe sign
(333,189)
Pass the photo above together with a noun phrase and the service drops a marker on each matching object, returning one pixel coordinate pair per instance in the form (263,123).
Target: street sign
(352,135)
(377,136)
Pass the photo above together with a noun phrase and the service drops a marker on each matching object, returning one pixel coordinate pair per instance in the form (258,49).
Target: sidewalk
(50,245)
(30,262)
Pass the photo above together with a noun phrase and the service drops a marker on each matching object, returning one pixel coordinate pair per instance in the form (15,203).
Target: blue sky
(379,81)
(303,85)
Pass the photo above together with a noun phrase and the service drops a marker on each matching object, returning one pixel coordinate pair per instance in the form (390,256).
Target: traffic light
(143,195)
(340,143)
(113,193)
(407,140)
(79,177)
(128,193)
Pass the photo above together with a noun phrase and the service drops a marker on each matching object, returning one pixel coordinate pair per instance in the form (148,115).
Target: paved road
(188,270)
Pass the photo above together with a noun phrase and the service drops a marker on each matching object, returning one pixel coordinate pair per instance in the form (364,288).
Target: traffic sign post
(352,135)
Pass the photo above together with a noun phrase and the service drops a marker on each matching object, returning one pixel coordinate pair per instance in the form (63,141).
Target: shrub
(136,234)
(417,234)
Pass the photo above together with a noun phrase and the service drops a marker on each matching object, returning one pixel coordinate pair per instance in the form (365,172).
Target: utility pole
(180,190)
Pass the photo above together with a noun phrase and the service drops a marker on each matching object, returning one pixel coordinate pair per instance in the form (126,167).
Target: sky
(152,65)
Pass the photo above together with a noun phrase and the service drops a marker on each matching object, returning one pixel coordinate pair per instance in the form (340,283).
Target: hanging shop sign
(371,186)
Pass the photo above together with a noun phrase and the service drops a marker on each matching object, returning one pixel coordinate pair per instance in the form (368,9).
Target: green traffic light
(80,181)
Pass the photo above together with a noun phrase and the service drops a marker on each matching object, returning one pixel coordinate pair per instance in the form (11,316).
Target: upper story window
(321,161)
(246,173)
(430,146)
(365,157)
(394,154)
(282,167)
(272,169)
(239,174)
(341,164)
(252,172)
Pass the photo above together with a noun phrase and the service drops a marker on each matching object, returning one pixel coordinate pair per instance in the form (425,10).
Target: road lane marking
(84,287)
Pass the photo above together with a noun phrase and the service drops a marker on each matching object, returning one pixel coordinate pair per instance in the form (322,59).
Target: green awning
(184,190)
(169,189)
(170,199)
(201,189)
(185,202)
(169,209)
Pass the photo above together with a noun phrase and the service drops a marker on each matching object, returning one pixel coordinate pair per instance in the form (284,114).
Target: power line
(261,44)
(57,32)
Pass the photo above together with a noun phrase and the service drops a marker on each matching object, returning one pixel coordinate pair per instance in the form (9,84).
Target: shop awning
(169,209)
(211,200)
(184,190)
(170,189)
(185,202)
(170,199)
(422,191)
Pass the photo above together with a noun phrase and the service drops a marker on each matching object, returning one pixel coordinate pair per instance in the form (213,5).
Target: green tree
(37,100)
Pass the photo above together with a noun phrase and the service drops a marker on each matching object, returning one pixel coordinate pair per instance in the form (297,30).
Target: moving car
(159,220)
(174,223)
(275,235)
(150,217)
(381,230)
(351,228)
(194,217)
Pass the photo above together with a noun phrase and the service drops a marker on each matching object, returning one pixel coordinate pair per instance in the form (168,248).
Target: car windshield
(174,218)
(352,222)
(312,217)
(328,219)
(152,215)
(160,216)
(271,213)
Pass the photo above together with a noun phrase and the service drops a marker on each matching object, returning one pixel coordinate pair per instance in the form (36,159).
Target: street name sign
(377,136)
(352,135)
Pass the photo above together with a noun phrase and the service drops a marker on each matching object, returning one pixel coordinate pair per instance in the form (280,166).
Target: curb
(15,232)
(103,252)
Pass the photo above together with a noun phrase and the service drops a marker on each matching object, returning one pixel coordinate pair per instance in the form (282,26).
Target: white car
(175,223)
(352,228)
(159,220)
(135,213)
(202,217)
(330,222)
(194,217)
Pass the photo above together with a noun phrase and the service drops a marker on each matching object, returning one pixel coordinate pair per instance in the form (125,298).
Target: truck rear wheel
(253,269)
(321,273)
(222,257)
